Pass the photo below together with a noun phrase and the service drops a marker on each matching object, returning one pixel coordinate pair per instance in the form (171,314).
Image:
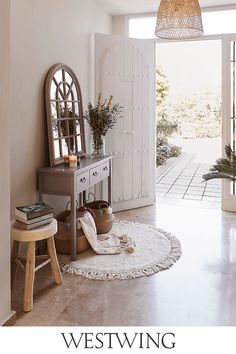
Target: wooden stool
(46,232)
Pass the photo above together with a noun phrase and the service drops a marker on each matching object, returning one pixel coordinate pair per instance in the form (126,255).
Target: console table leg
(84,197)
(110,184)
(80,200)
(73,228)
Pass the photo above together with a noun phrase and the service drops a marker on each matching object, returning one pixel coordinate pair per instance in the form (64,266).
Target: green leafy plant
(165,127)
(101,118)
(162,86)
(164,151)
(225,168)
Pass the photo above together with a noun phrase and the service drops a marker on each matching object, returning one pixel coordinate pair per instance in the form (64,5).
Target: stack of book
(30,217)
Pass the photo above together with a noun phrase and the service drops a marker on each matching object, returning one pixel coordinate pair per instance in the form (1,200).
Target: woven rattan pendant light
(179,19)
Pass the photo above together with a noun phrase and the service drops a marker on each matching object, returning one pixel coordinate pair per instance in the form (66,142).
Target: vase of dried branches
(101,118)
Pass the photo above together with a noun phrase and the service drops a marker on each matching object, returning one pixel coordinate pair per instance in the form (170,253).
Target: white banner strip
(178,340)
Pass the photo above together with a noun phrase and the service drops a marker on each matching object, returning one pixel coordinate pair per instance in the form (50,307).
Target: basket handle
(77,204)
(91,194)
(104,204)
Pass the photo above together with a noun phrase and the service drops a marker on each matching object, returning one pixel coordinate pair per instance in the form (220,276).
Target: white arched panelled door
(125,68)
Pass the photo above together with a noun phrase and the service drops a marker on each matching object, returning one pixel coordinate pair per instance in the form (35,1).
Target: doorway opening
(189,120)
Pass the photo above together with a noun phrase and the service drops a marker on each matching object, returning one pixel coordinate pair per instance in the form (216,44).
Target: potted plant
(101,118)
(225,168)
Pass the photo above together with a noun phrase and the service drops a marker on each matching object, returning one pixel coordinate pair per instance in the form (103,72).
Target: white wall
(44,32)
(4,169)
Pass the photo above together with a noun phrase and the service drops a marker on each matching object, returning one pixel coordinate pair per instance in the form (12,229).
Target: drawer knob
(95,174)
(83,180)
(105,168)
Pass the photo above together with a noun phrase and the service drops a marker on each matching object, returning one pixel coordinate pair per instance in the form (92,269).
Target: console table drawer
(55,185)
(95,175)
(82,182)
(105,170)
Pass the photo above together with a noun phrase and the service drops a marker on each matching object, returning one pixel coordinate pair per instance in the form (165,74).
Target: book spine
(33,226)
(34,220)
(38,214)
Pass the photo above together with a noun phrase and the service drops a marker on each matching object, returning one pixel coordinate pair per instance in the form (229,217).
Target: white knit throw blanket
(102,244)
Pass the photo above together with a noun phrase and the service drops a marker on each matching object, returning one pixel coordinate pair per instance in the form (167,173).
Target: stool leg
(54,262)
(29,277)
(14,255)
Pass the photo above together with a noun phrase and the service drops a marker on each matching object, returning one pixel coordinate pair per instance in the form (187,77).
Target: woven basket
(63,239)
(102,214)
(63,236)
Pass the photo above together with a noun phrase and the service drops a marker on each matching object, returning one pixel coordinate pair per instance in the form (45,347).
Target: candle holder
(66,159)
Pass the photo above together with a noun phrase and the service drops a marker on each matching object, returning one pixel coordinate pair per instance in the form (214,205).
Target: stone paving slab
(183,180)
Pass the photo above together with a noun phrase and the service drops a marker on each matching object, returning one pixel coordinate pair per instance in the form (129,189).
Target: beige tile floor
(199,290)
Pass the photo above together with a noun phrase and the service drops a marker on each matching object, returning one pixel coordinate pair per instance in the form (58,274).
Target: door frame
(228,201)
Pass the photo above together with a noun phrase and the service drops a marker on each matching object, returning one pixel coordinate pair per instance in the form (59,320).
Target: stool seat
(28,263)
(38,234)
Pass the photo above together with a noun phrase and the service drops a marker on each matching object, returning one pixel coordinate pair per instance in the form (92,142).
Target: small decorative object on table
(101,118)
(72,161)
(66,159)
(30,217)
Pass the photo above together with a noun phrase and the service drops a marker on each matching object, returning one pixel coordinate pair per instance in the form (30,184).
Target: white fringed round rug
(156,250)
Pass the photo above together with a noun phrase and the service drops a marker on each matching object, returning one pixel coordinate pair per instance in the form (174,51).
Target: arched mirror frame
(63,91)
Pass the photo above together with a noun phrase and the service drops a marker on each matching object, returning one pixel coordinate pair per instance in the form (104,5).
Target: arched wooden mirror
(64,114)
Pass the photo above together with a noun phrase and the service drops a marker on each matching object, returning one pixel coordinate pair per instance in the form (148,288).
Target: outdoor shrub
(162,86)
(208,130)
(194,117)
(165,127)
(164,151)
(175,150)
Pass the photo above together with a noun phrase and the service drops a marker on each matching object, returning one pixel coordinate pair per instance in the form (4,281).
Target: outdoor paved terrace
(183,180)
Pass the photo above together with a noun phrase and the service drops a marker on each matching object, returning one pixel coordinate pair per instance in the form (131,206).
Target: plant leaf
(218,175)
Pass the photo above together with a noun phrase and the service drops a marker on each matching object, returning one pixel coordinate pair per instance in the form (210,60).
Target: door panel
(229,113)
(125,68)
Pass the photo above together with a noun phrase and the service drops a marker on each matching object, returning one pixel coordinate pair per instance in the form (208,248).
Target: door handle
(95,174)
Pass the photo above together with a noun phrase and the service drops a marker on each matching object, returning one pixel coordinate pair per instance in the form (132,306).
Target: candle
(73,161)
(66,159)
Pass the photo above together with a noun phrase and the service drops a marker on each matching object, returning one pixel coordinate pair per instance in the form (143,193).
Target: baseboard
(10,321)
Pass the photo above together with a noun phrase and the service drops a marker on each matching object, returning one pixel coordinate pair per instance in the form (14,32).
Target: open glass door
(229,113)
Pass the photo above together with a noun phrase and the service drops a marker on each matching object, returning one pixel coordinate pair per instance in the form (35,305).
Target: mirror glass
(64,114)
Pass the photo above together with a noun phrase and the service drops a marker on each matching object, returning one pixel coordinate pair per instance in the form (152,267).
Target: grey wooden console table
(73,182)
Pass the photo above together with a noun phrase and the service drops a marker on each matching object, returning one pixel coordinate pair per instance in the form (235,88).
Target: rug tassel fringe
(147,271)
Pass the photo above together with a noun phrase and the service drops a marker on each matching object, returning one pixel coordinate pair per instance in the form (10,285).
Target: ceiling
(127,7)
